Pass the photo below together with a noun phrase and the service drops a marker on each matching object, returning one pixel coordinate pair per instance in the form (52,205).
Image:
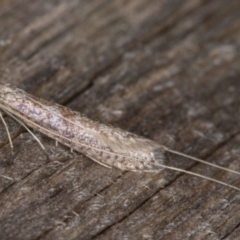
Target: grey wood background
(167,70)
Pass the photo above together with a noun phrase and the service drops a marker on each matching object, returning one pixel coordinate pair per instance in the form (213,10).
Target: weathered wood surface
(167,70)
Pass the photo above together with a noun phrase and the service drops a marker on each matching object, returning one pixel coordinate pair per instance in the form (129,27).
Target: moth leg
(6,177)
(8,134)
(99,162)
(33,135)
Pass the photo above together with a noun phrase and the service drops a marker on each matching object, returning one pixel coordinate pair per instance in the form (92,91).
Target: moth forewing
(104,144)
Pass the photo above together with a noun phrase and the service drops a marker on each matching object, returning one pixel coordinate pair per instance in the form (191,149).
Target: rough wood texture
(167,70)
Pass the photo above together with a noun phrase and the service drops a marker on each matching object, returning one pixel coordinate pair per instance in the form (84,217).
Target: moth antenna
(201,161)
(34,136)
(8,133)
(198,175)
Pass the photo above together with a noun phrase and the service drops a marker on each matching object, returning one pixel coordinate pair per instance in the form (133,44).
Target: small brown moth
(106,145)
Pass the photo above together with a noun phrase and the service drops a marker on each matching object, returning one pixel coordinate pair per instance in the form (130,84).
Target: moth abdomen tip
(159,158)
(159,155)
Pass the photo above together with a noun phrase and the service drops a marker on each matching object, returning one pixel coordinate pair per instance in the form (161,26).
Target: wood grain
(166,70)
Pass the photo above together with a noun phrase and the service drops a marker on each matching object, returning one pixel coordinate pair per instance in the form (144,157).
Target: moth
(104,144)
